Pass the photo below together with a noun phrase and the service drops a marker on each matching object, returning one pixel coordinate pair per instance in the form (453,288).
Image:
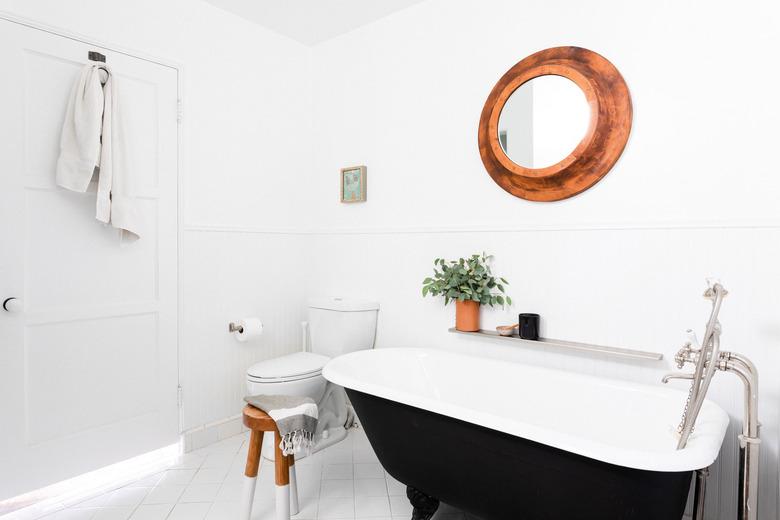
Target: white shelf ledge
(570,345)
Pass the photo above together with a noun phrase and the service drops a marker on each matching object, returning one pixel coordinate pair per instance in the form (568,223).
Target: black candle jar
(528,325)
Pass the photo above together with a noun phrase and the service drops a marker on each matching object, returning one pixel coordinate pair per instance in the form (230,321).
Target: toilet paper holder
(232,327)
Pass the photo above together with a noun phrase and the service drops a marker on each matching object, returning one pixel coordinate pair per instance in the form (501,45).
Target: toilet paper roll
(249,328)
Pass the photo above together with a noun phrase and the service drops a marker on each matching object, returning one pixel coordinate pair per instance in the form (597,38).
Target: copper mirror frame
(606,137)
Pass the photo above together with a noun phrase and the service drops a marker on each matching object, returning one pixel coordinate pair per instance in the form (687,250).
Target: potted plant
(469,283)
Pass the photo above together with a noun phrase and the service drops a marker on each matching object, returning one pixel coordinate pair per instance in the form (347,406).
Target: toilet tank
(338,326)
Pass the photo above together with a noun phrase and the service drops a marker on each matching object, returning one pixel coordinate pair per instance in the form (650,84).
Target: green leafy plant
(466,279)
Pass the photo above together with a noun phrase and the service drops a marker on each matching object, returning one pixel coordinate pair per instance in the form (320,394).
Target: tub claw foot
(424,506)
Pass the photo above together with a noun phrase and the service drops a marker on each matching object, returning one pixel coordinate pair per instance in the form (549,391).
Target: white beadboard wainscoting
(629,285)
(634,288)
(226,276)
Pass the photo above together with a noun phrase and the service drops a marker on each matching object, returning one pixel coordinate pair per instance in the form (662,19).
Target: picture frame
(353,184)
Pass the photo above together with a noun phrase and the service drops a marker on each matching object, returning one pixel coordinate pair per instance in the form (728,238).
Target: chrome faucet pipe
(745,362)
(749,440)
(747,372)
(700,489)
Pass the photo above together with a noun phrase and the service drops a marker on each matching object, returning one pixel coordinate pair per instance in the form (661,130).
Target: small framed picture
(353,184)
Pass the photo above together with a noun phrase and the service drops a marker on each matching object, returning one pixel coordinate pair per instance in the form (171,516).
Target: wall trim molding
(212,432)
(530,228)
(201,228)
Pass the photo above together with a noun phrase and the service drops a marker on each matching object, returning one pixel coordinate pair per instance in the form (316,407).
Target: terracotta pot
(467,316)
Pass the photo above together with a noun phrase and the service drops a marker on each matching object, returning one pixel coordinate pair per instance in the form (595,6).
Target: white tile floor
(344,481)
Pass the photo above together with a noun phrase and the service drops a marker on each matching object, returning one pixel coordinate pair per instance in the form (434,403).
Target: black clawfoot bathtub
(502,440)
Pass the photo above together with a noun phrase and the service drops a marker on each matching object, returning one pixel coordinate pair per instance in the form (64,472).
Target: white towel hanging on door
(92,142)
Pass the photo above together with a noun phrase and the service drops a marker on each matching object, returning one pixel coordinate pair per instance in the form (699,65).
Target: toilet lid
(292,365)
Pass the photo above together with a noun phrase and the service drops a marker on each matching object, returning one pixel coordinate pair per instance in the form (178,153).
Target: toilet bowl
(293,374)
(336,326)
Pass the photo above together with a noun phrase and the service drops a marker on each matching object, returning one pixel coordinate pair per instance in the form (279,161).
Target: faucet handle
(688,349)
(682,355)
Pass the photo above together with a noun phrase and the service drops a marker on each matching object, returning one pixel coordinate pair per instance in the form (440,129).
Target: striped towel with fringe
(295,417)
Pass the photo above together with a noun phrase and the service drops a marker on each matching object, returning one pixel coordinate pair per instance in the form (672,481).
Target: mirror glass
(543,121)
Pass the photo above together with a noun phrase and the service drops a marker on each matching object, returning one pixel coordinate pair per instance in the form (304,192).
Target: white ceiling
(312,21)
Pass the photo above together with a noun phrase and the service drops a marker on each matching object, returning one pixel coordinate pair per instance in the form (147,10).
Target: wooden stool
(286,487)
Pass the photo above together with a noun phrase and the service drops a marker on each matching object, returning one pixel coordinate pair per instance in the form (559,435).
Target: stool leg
(282,481)
(293,487)
(250,473)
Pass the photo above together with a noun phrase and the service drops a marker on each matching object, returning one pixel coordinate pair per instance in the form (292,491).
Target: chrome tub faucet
(706,359)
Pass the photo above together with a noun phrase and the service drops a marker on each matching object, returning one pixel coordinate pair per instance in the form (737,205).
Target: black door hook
(96,56)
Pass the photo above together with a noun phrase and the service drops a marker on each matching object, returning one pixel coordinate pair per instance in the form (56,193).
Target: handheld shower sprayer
(704,357)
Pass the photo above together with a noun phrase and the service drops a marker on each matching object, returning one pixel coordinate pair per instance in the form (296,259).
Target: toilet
(336,326)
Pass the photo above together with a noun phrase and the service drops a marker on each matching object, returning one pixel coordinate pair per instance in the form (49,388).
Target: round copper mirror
(555,124)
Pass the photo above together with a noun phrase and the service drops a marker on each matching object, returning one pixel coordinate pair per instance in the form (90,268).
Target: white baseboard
(213,432)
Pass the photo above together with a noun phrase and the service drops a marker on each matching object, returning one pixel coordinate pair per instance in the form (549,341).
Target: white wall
(623,264)
(246,98)
(404,95)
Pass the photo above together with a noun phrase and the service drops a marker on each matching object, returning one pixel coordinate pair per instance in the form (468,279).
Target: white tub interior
(622,423)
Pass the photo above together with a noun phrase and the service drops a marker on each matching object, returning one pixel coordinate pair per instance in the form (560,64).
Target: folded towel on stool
(295,417)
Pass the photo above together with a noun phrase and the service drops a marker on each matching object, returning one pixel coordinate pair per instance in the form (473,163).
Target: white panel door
(88,362)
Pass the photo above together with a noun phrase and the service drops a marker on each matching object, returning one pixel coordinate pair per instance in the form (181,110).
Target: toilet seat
(292,367)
